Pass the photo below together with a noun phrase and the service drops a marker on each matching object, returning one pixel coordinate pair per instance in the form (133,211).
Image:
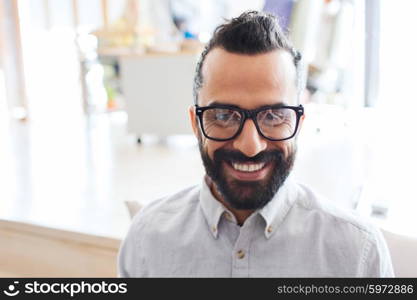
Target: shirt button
(214,228)
(269,229)
(241,254)
(228,216)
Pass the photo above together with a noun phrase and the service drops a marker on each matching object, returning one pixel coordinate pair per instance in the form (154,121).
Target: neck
(240,214)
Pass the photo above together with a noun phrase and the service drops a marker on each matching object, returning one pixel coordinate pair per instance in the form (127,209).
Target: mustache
(239,157)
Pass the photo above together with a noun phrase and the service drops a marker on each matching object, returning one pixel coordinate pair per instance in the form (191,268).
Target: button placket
(240,264)
(240,254)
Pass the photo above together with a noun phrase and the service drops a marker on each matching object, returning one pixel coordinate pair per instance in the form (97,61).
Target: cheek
(211,146)
(287,147)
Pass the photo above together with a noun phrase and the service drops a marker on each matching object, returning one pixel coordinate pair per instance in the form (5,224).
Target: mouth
(247,167)
(248,171)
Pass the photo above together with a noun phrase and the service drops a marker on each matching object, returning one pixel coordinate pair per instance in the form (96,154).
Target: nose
(249,142)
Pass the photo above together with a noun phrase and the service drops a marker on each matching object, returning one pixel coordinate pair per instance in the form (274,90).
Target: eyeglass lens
(274,123)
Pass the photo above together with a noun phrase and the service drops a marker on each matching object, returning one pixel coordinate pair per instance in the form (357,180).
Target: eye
(226,115)
(272,116)
(276,117)
(222,117)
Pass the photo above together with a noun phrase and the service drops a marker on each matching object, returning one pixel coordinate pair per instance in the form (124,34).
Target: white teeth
(248,167)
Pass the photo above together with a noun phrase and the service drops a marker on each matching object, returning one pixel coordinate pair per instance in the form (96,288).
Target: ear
(300,124)
(193,119)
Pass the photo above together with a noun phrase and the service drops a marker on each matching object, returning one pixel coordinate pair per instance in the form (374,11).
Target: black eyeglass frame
(248,114)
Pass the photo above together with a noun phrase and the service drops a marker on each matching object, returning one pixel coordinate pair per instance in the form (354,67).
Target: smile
(248,171)
(248,167)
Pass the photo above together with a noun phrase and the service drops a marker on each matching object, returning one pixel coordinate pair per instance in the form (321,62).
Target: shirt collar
(273,213)
(212,208)
(276,210)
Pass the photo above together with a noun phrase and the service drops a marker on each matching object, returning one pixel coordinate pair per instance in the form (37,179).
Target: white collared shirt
(191,234)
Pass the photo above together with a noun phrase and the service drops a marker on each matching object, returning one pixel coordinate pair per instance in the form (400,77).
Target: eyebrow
(216,103)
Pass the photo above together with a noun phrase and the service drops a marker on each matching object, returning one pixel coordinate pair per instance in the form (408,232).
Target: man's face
(249,82)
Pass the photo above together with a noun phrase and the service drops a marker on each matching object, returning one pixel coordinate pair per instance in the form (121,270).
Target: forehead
(248,81)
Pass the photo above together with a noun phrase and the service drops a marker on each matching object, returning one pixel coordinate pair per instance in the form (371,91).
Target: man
(247,218)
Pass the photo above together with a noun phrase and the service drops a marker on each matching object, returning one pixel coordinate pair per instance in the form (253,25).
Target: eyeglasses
(225,122)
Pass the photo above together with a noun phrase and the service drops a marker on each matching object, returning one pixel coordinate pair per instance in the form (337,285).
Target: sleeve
(129,262)
(378,259)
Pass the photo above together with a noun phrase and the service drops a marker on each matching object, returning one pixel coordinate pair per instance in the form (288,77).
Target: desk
(36,251)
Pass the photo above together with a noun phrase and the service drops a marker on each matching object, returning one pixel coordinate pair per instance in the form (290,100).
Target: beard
(247,195)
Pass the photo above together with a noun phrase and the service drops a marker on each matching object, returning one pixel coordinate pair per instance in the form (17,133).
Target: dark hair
(251,33)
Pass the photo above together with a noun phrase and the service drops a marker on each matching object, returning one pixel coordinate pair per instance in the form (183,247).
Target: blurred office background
(93,114)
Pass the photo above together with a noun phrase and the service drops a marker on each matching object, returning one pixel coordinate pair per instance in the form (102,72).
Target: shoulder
(159,216)
(344,228)
(314,205)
